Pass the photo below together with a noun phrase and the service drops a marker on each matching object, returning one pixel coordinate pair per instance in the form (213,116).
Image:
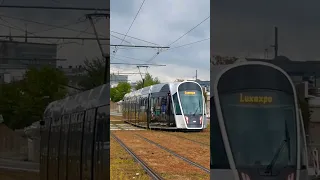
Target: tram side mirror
(42,123)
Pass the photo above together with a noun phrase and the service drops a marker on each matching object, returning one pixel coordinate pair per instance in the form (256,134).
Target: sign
(189,92)
(255,99)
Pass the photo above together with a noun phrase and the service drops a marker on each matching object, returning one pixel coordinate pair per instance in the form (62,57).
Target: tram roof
(152,89)
(98,96)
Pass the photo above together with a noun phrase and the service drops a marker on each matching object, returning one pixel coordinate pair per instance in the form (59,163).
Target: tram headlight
(187,119)
(200,119)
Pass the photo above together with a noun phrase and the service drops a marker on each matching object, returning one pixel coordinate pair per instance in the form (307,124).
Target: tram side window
(176,104)
(138,103)
(141,104)
(302,149)
(152,103)
(146,103)
(218,155)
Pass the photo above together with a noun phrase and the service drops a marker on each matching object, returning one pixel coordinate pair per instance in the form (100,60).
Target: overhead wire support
(116,73)
(116,49)
(143,78)
(121,45)
(106,57)
(55,8)
(106,15)
(140,64)
(54,37)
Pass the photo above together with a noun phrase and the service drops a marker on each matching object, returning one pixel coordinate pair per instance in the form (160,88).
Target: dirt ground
(202,137)
(195,152)
(167,165)
(18,175)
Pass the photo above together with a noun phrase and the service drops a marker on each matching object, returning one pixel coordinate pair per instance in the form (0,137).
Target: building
(27,53)
(116,78)
(16,57)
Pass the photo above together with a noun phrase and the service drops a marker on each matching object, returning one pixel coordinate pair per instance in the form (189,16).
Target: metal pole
(54,37)
(106,69)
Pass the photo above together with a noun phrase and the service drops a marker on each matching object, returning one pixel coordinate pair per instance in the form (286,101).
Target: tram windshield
(257,123)
(191,102)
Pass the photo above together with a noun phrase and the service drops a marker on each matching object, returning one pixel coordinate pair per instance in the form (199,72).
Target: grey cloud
(162,22)
(240,28)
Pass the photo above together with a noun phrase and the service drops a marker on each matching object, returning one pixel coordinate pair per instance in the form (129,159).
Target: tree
(117,93)
(219,60)
(148,81)
(94,73)
(24,102)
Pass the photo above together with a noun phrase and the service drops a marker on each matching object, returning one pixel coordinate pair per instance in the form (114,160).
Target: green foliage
(148,81)
(23,102)
(117,93)
(94,73)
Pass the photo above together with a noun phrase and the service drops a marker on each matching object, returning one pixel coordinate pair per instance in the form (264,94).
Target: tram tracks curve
(197,142)
(151,172)
(175,154)
(144,165)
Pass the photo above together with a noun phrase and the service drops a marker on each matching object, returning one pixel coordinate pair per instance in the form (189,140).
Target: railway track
(145,166)
(201,143)
(175,154)
(149,170)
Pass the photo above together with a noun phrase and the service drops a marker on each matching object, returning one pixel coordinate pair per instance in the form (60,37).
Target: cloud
(162,22)
(245,28)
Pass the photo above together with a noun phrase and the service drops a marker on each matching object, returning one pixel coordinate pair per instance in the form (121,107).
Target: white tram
(257,131)
(178,105)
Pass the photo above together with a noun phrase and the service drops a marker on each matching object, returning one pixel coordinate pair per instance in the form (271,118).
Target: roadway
(19,165)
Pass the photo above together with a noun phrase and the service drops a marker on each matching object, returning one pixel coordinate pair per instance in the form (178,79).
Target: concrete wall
(34,150)
(12,145)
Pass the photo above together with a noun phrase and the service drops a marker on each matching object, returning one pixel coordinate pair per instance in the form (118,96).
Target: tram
(256,130)
(178,105)
(75,137)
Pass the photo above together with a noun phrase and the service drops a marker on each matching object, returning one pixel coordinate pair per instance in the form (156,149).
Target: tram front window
(258,128)
(191,102)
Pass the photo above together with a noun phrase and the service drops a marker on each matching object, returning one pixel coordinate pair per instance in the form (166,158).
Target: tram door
(169,110)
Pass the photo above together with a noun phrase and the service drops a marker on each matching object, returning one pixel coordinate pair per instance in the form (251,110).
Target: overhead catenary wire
(55,37)
(189,30)
(131,25)
(49,25)
(134,38)
(188,44)
(152,58)
(55,8)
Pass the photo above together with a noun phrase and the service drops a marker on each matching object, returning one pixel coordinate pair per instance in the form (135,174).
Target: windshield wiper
(195,111)
(276,156)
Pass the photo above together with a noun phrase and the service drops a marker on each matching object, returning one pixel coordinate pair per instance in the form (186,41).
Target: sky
(161,23)
(246,28)
(74,51)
